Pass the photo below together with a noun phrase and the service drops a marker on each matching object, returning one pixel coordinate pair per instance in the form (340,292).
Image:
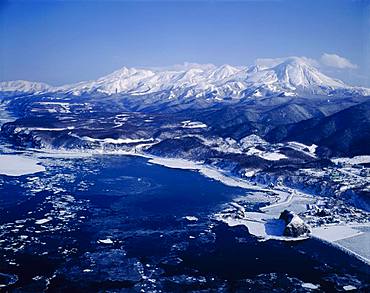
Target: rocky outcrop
(295,227)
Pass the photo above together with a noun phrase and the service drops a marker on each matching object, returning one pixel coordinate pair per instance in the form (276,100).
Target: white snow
(353,161)
(250,172)
(261,225)
(42,221)
(310,286)
(193,124)
(18,129)
(349,288)
(269,156)
(207,171)
(24,86)
(284,199)
(191,218)
(16,165)
(105,241)
(296,220)
(225,179)
(303,147)
(272,156)
(251,141)
(335,232)
(118,140)
(224,145)
(59,153)
(175,163)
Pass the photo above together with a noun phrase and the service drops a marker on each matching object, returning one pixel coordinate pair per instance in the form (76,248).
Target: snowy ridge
(25,86)
(291,77)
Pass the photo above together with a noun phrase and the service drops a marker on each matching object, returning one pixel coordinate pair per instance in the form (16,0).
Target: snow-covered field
(118,140)
(269,156)
(353,161)
(309,150)
(193,124)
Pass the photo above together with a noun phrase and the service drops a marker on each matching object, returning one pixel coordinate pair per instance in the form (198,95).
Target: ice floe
(42,221)
(335,232)
(105,241)
(16,165)
(349,288)
(191,218)
(310,286)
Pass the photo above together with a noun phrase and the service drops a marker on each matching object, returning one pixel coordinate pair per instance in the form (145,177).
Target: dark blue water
(140,208)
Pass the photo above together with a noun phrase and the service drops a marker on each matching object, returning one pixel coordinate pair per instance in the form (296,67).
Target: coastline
(230,180)
(215,174)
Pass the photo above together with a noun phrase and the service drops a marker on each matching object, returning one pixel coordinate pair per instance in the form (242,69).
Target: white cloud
(272,62)
(336,61)
(269,62)
(326,61)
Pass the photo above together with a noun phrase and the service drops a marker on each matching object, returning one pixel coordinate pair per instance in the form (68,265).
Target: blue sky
(67,41)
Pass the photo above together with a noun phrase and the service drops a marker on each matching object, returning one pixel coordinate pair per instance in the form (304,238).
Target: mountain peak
(300,72)
(126,72)
(224,71)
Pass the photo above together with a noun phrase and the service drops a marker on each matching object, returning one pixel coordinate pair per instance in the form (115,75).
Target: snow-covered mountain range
(293,76)
(24,86)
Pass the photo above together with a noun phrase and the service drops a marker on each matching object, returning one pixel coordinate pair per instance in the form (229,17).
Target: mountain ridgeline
(290,100)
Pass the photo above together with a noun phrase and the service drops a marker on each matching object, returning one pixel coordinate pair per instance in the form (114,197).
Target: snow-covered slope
(24,86)
(291,77)
(191,80)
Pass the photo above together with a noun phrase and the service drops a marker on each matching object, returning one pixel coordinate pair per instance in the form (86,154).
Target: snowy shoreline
(230,180)
(175,163)
(206,171)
